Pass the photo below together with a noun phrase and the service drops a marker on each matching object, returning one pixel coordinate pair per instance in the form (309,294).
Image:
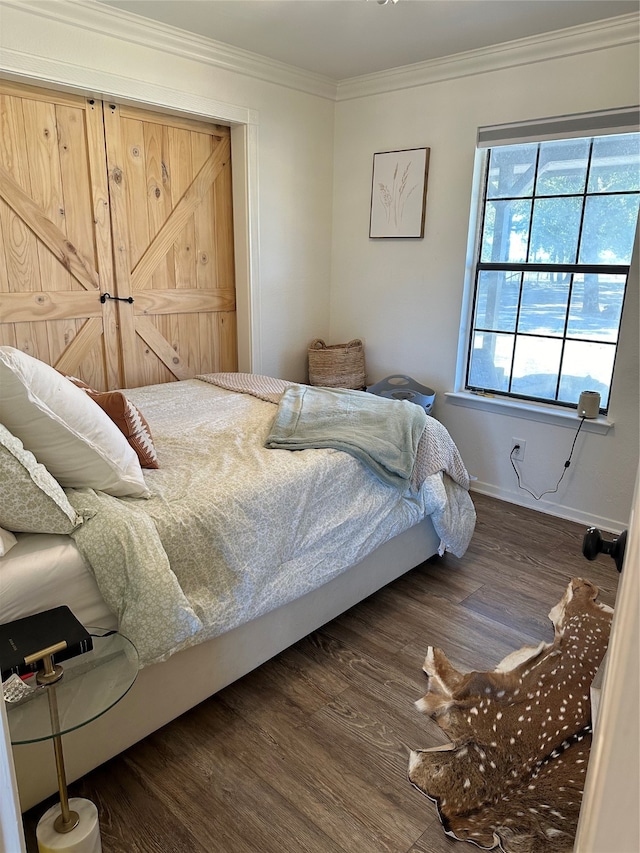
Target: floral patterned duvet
(232,529)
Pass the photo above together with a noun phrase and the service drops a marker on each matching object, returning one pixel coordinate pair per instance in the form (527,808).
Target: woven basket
(337,366)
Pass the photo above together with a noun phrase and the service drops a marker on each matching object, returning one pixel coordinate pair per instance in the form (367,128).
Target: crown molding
(88,15)
(601,35)
(108,21)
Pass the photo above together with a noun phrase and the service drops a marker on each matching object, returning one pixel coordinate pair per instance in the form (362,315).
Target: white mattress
(46,570)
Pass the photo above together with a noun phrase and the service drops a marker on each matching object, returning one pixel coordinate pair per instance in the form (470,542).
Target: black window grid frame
(523,267)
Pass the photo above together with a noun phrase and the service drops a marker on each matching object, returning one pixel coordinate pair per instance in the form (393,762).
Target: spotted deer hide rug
(513,775)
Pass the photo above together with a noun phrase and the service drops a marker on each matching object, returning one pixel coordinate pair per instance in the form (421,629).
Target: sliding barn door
(116,254)
(171,214)
(55,240)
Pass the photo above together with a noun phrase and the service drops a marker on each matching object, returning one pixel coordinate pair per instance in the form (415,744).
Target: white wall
(404,297)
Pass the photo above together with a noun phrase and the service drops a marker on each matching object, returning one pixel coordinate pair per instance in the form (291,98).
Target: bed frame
(166,690)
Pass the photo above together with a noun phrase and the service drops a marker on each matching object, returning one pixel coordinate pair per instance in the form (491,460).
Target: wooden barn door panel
(55,244)
(98,204)
(170,191)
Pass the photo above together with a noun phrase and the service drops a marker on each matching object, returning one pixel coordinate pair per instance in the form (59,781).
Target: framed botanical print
(398,193)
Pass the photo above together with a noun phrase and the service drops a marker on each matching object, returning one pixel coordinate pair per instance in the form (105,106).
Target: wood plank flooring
(309,752)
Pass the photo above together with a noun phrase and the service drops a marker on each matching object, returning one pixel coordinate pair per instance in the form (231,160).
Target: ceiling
(347,38)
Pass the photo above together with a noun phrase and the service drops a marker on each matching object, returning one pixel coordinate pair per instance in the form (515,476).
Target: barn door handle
(105,296)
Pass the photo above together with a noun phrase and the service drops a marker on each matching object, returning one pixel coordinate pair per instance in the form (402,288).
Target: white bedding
(199,558)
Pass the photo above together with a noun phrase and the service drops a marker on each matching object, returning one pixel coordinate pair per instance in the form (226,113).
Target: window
(557,226)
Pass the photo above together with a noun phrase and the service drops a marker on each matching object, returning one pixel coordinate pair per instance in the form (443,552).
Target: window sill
(529,411)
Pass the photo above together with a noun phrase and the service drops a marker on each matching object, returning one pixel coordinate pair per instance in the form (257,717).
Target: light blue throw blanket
(383,434)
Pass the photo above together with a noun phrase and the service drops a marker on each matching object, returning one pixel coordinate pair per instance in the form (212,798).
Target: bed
(223,555)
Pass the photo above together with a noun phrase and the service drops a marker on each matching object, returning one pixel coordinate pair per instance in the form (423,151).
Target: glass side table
(73,694)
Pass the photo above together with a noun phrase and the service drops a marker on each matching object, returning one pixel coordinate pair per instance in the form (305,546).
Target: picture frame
(399,193)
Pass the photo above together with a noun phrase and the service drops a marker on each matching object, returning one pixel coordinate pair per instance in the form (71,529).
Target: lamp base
(84,838)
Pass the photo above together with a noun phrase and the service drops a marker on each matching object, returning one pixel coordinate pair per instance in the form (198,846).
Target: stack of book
(31,634)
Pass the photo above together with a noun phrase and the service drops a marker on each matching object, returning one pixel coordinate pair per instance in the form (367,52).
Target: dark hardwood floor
(309,752)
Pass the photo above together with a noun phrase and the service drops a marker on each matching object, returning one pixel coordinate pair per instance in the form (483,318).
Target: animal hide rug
(513,775)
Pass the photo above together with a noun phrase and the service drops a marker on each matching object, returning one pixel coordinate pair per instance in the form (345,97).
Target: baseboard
(607,525)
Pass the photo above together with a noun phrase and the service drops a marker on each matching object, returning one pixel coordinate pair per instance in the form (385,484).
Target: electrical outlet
(519,453)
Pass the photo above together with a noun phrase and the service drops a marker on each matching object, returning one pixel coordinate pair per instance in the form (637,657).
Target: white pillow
(7,541)
(65,429)
(31,501)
